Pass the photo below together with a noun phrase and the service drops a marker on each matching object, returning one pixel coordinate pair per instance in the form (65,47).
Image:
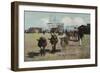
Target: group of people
(42,41)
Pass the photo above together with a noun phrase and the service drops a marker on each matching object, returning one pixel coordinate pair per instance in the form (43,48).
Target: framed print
(52,36)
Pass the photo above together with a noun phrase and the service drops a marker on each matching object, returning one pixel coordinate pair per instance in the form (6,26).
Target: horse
(42,43)
(64,42)
(53,41)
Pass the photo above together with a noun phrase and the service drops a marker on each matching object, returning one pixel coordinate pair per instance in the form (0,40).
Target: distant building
(34,30)
(56,27)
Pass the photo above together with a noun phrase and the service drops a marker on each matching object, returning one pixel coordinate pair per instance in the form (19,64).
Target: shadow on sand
(34,54)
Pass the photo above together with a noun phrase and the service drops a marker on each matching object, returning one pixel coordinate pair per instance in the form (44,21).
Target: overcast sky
(40,19)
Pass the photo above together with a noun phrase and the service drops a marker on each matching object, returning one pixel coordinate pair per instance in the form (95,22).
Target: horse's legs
(44,51)
(41,51)
(80,41)
(53,48)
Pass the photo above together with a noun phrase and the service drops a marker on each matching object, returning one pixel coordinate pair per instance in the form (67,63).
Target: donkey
(42,43)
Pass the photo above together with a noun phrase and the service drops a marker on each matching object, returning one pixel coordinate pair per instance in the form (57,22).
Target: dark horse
(42,43)
(53,41)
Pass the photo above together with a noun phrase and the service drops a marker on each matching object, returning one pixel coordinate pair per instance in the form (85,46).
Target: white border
(33,64)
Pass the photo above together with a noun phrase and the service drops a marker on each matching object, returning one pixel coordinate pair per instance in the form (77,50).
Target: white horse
(64,43)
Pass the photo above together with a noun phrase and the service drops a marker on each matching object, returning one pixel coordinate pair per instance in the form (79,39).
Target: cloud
(68,21)
(78,21)
(44,22)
